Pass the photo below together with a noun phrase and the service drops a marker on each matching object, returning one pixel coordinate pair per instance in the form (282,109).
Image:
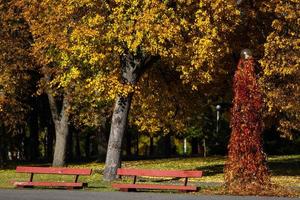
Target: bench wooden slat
(49,184)
(53,170)
(154,186)
(160,173)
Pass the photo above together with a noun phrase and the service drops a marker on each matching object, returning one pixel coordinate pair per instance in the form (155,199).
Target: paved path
(29,194)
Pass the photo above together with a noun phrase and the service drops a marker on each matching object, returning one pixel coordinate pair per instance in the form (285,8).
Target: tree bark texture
(132,67)
(61,120)
(60,148)
(118,125)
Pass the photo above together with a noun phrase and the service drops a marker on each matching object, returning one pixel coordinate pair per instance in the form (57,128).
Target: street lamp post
(218,108)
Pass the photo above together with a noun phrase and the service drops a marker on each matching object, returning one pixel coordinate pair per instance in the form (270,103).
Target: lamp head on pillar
(246,54)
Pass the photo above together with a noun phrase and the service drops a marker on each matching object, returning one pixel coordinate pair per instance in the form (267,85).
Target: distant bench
(156,173)
(52,170)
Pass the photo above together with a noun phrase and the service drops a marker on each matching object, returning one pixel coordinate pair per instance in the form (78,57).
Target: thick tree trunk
(77,146)
(246,169)
(60,120)
(132,67)
(60,149)
(118,125)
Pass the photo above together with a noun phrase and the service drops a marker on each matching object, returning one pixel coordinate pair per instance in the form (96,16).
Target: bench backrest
(53,170)
(159,173)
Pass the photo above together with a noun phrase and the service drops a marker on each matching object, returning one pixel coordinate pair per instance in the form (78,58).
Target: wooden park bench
(52,170)
(156,173)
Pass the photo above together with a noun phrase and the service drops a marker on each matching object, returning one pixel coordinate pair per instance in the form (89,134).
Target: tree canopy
(281,66)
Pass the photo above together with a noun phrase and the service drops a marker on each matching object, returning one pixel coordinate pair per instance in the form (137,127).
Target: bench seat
(55,171)
(154,186)
(177,174)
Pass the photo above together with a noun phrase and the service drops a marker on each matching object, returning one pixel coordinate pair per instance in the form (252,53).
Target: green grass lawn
(285,171)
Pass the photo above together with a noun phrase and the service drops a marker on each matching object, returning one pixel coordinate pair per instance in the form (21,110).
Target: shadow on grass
(13,164)
(285,167)
(97,187)
(282,167)
(211,170)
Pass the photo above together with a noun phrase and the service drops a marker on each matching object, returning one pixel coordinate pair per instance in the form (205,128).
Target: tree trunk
(246,169)
(87,144)
(77,146)
(60,120)
(34,132)
(151,150)
(132,67)
(60,148)
(204,148)
(118,125)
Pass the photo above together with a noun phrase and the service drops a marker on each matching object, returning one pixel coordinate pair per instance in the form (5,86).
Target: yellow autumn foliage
(79,43)
(281,66)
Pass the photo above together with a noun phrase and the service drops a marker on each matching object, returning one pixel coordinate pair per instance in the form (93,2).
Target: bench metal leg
(84,184)
(24,186)
(183,191)
(127,189)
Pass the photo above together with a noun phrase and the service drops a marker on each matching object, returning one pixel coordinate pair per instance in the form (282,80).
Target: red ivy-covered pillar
(246,168)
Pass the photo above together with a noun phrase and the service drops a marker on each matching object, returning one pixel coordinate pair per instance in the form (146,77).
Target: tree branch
(52,103)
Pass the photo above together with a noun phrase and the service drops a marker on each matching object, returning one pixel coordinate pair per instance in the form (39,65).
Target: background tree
(125,37)
(52,26)
(281,67)
(17,84)
(143,31)
(246,168)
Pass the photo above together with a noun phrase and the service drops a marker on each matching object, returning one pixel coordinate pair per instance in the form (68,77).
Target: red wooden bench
(52,170)
(156,173)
